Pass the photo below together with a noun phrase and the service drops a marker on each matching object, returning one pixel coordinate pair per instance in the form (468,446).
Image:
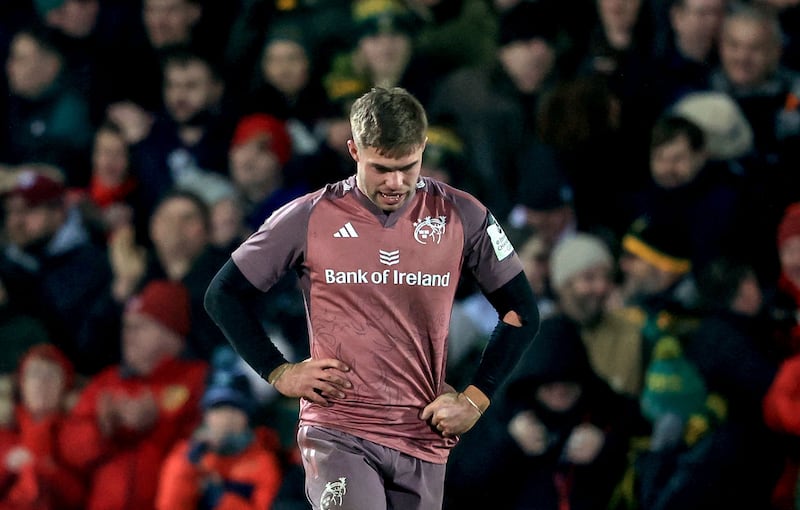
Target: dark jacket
(508,478)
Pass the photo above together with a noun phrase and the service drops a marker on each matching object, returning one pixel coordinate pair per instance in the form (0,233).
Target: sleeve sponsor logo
(502,246)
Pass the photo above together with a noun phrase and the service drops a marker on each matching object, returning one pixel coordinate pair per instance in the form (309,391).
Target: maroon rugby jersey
(379,290)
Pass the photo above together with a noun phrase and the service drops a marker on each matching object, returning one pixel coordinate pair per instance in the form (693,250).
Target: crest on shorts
(333,494)
(429,229)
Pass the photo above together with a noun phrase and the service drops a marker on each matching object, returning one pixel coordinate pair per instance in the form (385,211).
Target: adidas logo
(346,231)
(389,258)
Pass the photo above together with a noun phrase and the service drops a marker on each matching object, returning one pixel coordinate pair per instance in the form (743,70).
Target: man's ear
(352,148)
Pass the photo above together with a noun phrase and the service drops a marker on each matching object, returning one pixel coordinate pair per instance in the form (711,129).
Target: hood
(556,354)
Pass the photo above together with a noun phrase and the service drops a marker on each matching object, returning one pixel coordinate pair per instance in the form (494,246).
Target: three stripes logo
(389,258)
(346,231)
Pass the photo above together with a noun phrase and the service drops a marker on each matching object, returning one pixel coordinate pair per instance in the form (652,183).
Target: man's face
(42,384)
(285,65)
(549,224)
(528,62)
(698,21)
(559,396)
(789,254)
(583,296)
(178,230)
(675,163)
(31,69)
(26,225)
(387,182)
(386,54)
(189,90)
(110,158)
(76,18)
(254,168)
(222,422)
(748,52)
(169,22)
(618,14)
(145,342)
(641,279)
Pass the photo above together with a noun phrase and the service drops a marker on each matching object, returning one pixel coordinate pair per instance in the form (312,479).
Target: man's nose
(394,179)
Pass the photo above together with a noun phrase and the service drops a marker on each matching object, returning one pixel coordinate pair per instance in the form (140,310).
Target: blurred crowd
(643,155)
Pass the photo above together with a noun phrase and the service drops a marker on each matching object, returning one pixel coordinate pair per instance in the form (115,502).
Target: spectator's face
(642,279)
(550,224)
(145,342)
(110,158)
(584,295)
(31,69)
(254,168)
(76,18)
(559,396)
(618,15)
(748,52)
(386,55)
(387,182)
(528,63)
(790,259)
(535,263)
(285,66)
(749,298)
(224,421)
(227,222)
(178,230)
(698,22)
(26,225)
(42,386)
(675,163)
(169,22)
(190,90)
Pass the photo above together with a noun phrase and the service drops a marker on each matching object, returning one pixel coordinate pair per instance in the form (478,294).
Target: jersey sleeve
(278,246)
(488,253)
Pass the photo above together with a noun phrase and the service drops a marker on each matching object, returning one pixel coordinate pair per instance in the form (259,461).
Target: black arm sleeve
(507,342)
(227,301)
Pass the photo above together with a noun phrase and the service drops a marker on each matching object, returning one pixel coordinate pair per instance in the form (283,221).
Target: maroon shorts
(344,472)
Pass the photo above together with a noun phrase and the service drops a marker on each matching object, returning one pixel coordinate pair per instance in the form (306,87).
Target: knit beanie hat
(526,21)
(227,384)
(444,148)
(661,244)
(165,302)
(575,254)
(50,352)
(267,126)
(790,224)
(38,189)
(381,17)
(728,133)
(543,181)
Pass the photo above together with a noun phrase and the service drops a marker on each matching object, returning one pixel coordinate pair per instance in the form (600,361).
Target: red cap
(38,189)
(165,302)
(790,224)
(274,130)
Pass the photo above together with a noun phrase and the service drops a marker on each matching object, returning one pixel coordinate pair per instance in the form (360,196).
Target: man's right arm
(228,301)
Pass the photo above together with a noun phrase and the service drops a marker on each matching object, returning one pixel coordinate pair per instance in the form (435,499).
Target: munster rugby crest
(429,229)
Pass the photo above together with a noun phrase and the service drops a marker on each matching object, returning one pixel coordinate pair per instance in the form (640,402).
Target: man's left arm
(518,322)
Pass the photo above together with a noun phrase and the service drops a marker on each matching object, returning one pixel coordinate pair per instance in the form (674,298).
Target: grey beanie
(576,254)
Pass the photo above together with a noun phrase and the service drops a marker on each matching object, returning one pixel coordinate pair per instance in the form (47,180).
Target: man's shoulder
(447,192)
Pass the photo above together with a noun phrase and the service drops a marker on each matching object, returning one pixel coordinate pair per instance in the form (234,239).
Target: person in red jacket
(32,476)
(780,414)
(130,415)
(228,464)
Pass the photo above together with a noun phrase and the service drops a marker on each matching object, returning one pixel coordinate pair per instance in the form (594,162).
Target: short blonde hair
(391,120)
